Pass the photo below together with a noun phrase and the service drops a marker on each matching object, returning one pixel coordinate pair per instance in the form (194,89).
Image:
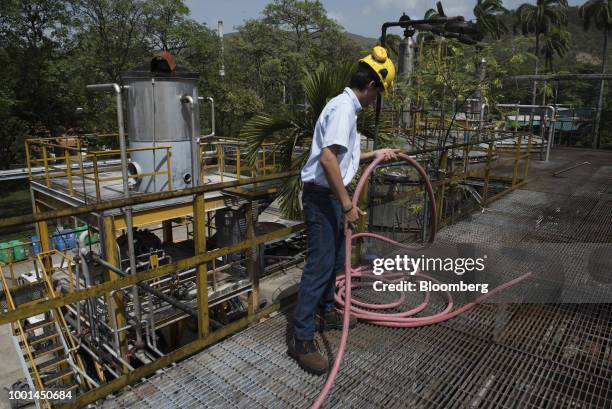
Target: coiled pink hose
(362,311)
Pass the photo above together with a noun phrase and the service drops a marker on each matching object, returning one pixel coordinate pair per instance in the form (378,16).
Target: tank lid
(161,65)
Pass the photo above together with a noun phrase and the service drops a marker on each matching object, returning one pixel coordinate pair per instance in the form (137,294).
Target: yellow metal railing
(17,327)
(98,180)
(12,262)
(65,163)
(224,157)
(57,311)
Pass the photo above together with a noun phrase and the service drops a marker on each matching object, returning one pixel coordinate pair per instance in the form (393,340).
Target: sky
(363,17)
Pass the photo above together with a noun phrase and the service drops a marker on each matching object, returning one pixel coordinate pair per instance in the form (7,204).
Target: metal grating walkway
(494,356)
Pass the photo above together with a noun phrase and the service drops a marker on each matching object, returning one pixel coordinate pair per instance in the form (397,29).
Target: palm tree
(292,131)
(599,12)
(487,13)
(557,42)
(538,19)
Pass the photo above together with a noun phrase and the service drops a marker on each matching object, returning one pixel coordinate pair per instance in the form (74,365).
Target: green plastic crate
(5,254)
(20,251)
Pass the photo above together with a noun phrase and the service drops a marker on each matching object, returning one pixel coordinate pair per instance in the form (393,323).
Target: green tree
(539,19)
(488,21)
(34,36)
(600,13)
(167,19)
(307,21)
(113,34)
(256,60)
(556,42)
(292,131)
(307,34)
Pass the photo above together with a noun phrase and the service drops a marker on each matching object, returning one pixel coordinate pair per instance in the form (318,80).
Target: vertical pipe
(199,227)
(93,315)
(128,209)
(128,217)
(114,301)
(220,33)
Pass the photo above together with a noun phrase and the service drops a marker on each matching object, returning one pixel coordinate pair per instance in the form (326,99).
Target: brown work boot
(308,356)
(329,320)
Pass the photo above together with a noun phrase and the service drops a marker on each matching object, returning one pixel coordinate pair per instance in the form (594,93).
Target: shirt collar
(356,103)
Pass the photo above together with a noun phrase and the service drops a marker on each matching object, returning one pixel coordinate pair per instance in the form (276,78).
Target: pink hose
(361,309)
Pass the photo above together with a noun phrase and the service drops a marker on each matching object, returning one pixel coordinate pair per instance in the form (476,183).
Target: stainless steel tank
(158,116)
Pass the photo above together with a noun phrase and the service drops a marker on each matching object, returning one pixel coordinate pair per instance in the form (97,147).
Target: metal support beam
(167,231)
(252,261)
(199,240)
(29,310)
(140,199)
(115,303)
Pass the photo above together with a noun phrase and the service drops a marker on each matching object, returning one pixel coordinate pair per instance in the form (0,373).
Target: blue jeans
(324,259)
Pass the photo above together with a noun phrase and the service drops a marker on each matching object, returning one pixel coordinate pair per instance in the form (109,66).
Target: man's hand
(352,216)
(387,154)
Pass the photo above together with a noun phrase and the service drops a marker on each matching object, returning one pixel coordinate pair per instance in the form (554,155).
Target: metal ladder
(45,347)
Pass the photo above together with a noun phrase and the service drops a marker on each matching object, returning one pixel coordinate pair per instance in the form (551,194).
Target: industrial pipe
(146,287)
(364,310)
(126,194)
(551,133)
(172,301)
(195,151)
(93,315)
(212,117)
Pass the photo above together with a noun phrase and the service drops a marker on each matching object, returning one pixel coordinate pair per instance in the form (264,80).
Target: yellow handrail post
(168,154)
(517,156)
(11,306)
(46,164)
(485,186)
(96,177)
(27,155)
(238,162)
(68,170)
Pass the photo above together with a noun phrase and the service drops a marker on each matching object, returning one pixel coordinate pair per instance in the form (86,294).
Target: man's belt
(313,187)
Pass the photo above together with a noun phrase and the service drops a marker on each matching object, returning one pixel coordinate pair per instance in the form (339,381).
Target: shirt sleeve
(338,128)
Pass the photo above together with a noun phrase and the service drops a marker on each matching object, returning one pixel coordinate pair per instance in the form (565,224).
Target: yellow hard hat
(382,65)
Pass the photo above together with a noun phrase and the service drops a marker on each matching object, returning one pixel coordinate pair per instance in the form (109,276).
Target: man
(334,158)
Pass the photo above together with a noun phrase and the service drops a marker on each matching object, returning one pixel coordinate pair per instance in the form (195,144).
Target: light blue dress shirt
(337,125)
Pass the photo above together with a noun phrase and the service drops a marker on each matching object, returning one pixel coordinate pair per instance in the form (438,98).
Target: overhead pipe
(551,132)
(126,194)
